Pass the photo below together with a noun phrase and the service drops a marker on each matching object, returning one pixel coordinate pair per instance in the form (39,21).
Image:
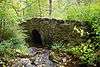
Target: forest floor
(42,57)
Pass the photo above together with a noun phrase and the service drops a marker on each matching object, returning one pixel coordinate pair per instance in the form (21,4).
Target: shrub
(10,32)
(86,52)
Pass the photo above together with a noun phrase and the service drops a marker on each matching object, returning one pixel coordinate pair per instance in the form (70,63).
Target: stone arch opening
(36,38)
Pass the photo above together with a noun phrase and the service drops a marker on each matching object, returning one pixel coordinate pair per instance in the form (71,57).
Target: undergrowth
(12,38)
(85,51)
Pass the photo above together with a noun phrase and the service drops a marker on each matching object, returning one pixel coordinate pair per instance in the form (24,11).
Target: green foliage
(89,12)
(58,46)
(10,32)
(6,51)
(86,52)
(27,9)
(10,48)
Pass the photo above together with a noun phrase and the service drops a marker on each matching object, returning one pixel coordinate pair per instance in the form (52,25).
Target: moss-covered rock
(53,30)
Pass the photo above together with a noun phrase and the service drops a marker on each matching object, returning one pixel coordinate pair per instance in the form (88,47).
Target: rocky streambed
(42,57)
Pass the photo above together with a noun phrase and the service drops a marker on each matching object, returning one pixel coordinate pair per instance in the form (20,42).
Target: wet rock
(39,58)
(22,62)
(42,58)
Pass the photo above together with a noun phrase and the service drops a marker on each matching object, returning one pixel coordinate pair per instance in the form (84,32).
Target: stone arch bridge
(47,31)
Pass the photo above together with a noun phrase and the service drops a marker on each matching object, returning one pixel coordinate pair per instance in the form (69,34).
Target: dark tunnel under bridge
(36,38)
